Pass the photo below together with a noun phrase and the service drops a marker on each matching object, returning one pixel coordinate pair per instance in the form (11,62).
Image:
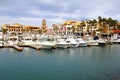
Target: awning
(116,31)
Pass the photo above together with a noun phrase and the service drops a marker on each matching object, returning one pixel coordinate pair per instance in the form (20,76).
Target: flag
(61,29)
(64,28)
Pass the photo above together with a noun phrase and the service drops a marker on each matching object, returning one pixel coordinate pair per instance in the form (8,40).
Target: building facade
(18,28)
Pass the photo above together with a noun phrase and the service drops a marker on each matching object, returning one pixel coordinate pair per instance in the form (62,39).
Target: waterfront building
(33,29)
(91,25)
(70,22)
(57,28)
(73,26)
(16,27)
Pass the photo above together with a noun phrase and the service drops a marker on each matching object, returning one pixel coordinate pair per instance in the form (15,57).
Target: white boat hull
(92,43)
(47,45)
(12,42)
(1,44)
(27,43)
(74,45)
(72,42)
(116,41)
(61,45)
(83,44)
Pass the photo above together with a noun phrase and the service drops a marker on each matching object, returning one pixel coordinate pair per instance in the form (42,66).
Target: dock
(31,46)
(13,46)
(17,47)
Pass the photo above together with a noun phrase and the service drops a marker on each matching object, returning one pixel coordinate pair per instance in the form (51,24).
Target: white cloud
(32,12)
(24,21)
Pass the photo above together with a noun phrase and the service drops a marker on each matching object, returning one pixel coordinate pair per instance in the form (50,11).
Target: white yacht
(61,43)
(12,39)
(45,42)
(91,42)
(115,38)
(117,41)
(81,42)
(26,40)
(72,42)
(102,42)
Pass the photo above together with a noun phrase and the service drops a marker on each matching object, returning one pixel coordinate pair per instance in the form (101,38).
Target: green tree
(56,29)
(99,18)
(73,29)
(40,31)
(94,22)
(4,30)
(100,21)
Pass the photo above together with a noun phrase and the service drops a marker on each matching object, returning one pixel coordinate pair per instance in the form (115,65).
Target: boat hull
(47,45)
(83,45)
(74,45)
(92,43)
(61,45)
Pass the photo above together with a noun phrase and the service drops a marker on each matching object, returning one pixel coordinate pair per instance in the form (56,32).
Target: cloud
(22,20)
(31,12)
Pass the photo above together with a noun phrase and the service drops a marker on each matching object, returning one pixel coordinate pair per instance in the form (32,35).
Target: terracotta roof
(116,31)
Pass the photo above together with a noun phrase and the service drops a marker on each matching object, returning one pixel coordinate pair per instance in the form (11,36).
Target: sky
(32,12)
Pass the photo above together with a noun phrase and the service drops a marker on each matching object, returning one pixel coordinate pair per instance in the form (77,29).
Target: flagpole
(66,29)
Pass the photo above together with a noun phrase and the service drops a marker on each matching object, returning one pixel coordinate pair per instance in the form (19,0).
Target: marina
(56,43)
(59,40)
(69,34)
(70,51)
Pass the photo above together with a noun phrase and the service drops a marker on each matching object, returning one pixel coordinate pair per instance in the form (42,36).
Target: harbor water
(83,63)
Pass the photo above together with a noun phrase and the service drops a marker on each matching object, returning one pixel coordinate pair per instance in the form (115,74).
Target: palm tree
(56,29)
(73,29)
(115,24)
(99,18)
(112,24)
(104,22)
(40,31)
(94,22)
(4,31)
(79,27)
(99,21)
